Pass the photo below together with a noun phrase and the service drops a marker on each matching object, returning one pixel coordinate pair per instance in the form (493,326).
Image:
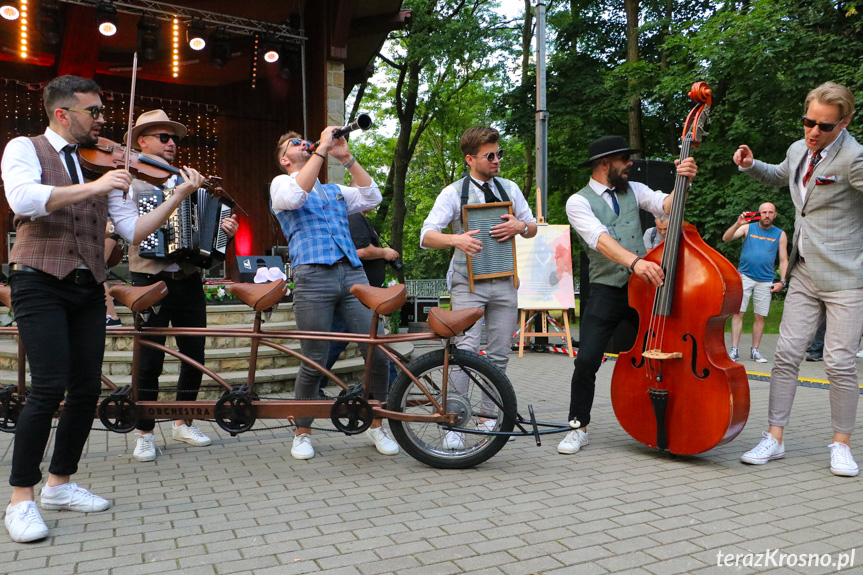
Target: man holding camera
(762,241)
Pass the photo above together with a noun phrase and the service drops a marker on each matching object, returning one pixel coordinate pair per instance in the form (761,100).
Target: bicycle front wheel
(476,389)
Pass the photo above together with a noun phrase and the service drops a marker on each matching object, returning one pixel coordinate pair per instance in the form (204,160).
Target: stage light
(195,35)
(175,59)
(271,51)
(106,16)
(48,23)
(148,38)
(24,13)
(220,48)
(10,11)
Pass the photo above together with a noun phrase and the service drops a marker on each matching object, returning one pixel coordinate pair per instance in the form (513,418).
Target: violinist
(186,304)
(824,171)
(56,273)
(605,215)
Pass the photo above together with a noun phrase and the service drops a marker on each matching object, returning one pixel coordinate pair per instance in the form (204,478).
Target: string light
(23,28)
(255,51)
(176,57)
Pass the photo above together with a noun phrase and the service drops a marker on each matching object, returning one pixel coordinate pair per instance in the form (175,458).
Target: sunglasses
(490,156)
(94,111)
(164,138)
(299,142)
(823,126)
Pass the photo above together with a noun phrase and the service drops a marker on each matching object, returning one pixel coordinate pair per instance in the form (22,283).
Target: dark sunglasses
(299,142)
(94,111)
(490,156)
(823,126)
(165,137)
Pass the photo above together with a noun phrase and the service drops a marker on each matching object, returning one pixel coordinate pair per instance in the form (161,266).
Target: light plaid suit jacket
(831,217)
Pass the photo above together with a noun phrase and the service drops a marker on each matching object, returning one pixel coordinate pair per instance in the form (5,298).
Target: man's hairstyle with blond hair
(283,146)
(474,138)
(832,94)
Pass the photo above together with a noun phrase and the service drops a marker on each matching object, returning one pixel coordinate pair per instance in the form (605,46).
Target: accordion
(193,233)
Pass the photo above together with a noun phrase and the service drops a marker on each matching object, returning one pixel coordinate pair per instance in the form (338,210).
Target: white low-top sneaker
(841,461)
(385,444)
(24,523)
(145,447)
(453,440)
(189,434)
(71,497)
(302,447)
(574,440)
(768,448)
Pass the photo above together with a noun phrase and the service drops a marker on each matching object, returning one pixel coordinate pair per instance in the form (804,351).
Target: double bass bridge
(659,354)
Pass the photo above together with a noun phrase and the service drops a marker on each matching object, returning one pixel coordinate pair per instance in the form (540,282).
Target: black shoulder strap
(503,196)
(465,190)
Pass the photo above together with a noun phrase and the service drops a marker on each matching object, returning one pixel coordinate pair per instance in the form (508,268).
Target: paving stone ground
(243,505)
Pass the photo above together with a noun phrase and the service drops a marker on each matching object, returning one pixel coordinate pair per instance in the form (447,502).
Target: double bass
(677,389)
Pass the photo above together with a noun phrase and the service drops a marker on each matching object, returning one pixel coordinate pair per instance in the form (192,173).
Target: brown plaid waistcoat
(66,238)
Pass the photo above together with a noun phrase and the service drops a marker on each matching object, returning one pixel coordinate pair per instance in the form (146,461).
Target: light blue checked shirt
(316,223)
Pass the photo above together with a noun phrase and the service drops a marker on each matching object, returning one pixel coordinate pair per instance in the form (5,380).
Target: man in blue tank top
(762,241)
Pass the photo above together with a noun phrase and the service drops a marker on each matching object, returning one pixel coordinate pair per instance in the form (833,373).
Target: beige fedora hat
(150,119)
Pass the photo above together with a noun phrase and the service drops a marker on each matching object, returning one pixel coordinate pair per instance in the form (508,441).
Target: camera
(752,216)
(397,264)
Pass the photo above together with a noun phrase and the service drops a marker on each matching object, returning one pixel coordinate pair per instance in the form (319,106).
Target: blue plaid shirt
(316,228)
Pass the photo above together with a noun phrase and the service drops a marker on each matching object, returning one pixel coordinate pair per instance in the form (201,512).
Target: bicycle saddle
(139,298)
(448,323)
(383,301)
(259,296)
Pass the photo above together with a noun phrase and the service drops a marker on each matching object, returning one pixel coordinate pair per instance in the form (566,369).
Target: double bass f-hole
(694,355)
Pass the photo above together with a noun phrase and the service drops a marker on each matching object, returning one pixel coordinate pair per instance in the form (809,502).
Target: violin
(108,155)
(677,389)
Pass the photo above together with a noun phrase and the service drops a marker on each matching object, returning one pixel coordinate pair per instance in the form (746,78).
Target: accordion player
(193,233)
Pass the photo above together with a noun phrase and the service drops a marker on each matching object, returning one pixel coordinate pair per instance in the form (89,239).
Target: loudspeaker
(248,265)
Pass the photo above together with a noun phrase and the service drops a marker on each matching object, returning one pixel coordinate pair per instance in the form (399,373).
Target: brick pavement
(243,505)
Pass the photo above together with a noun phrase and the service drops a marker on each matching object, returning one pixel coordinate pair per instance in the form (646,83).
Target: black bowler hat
(607,146)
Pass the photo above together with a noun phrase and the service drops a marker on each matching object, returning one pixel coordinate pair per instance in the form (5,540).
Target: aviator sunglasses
(823,126)
(164,137)
(490,156)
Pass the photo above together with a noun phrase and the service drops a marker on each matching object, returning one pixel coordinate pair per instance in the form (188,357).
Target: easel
(546,316)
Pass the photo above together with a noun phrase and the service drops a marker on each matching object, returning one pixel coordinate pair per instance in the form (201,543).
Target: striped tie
(816,157)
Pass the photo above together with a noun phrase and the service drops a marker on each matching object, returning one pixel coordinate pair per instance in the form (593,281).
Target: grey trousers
(805,308)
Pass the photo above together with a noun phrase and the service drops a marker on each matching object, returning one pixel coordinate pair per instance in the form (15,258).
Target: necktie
(614,203)
(816,157)
(490,198)
(68,151)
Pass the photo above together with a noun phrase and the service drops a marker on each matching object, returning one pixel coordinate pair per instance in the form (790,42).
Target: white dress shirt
(287,194)
(589,227)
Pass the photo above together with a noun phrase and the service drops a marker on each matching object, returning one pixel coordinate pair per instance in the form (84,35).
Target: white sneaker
(767,449)
(24,523)
(385,444)
(489,425)
(860,354)
(302,447)
(755,355)
(145,447)
(71,497)
(574,440)
(841,461)
(734,354)
(189,434)
(453,440)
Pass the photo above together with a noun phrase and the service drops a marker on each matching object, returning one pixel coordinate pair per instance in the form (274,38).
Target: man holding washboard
(497,297)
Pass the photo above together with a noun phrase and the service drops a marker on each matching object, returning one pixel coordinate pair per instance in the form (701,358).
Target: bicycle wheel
(481,395)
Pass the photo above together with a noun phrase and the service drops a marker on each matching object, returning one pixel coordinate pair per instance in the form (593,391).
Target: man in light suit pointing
(824,171)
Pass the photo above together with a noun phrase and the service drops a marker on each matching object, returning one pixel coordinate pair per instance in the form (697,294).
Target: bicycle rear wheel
(481,394)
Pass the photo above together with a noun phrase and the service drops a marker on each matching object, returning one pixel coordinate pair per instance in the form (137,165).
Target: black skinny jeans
(62,326)
(184,306)
(606,308)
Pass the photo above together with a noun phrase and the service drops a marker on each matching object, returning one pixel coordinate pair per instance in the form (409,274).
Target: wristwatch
(526,231)
(347,165)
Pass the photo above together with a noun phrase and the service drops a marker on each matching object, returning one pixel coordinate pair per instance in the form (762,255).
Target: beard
(618,180)
(83,136)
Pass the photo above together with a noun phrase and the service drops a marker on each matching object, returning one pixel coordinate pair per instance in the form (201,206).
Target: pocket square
(824,180)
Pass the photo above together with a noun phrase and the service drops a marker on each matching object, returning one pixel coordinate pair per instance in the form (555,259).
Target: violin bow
(131,114)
